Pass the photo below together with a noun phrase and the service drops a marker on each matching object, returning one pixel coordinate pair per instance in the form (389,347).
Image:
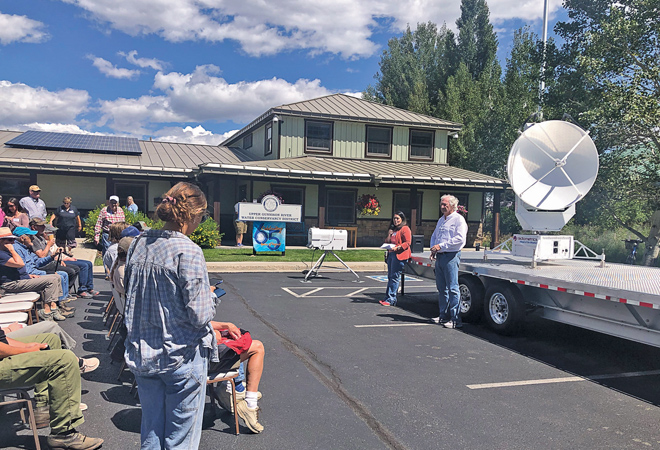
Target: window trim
(421,158)
(366,142)
(419,210)
(279,187)
(268,149)
(332,137)
(327,206)
(245,147)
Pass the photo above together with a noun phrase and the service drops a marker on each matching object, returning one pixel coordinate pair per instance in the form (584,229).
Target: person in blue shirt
(130,205)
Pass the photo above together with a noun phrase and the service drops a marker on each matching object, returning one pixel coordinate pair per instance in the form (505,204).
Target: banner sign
(268,236)
(269,210)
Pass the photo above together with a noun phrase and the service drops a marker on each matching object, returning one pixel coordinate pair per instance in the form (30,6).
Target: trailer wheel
(504,308)
(472,298)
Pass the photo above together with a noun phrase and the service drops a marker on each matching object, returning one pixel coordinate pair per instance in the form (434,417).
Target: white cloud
(55,128)
(342,27)
(142,62)
(21,104)
(201,96)
(112,71)
(15,28)
(190,135)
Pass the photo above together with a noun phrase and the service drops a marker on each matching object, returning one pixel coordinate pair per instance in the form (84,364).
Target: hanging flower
(462,211)
(368,205)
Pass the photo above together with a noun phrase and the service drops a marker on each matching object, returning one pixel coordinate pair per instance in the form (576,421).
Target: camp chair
(22,396)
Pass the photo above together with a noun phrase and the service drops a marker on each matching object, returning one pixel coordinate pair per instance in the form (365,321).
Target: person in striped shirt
(108,215)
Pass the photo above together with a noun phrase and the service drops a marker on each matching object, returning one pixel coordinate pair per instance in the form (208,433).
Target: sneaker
(42,416)
(83,406)
(72,297)
(93,292)
(450,324)
(57,315)
(439,321)
(227,402)
(249,416)
(67,308)
(43,315)
(86,294)
(67,314)
(385,303)
(88,364)
(73,441)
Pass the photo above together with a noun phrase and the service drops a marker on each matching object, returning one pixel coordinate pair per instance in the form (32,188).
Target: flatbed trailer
(616,299)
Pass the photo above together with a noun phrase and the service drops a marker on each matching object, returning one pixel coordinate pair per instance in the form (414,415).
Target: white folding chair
(11,317)
(215,378)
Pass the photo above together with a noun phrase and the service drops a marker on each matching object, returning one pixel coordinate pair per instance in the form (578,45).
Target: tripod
(314,271)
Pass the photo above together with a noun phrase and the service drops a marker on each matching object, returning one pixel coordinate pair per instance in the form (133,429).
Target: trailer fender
(472,298)
(504,308)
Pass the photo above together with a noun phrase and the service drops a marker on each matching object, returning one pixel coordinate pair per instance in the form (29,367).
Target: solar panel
(77,142)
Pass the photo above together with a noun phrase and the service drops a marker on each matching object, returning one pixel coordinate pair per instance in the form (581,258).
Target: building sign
(268,236)
(269,210)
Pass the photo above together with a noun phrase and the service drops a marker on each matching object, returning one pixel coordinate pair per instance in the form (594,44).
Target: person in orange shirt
(400,236)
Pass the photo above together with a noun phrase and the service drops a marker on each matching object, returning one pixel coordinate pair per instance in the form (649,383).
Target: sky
(197,71)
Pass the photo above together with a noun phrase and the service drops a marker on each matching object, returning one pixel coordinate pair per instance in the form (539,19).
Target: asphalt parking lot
(342,372)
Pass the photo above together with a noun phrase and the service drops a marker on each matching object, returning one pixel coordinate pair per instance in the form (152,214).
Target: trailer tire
(472,298)
(504,308)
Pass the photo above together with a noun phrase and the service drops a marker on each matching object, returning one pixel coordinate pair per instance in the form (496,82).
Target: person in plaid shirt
(108,215)
(169,307)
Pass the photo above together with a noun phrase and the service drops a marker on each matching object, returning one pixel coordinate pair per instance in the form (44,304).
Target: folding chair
(22,396)
(25,307)
(9,318)
(119,303)
(211,382)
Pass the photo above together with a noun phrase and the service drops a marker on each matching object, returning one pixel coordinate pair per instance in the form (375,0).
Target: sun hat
(5,233)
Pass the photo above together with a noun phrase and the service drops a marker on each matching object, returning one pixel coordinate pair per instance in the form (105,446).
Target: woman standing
(67,220)
(399,236)
(14,215)
(169,306)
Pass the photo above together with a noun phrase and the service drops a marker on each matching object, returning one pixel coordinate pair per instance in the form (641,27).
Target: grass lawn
(292,255)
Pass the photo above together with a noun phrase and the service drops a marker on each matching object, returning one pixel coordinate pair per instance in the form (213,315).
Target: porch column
(495,239)
(321,200)
(414,208)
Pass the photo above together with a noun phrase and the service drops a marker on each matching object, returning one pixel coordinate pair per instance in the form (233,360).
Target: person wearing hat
(32,262)
(15,278)
(116,230)
(108,215)
(117,271)
(43,247)
(33,205)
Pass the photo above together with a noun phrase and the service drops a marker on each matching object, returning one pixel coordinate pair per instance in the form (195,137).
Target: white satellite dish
(552,165)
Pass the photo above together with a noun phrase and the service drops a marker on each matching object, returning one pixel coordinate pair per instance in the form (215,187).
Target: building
(322,153)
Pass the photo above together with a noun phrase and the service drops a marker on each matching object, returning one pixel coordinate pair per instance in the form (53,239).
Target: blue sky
(196,70)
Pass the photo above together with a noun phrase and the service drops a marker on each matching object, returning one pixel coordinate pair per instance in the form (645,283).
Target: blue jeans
(173,405)
(65,284)
(86,275)
(105,242)
(446,280)
(394,269)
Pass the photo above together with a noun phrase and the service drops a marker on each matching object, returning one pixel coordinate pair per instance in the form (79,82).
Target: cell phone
(218,283)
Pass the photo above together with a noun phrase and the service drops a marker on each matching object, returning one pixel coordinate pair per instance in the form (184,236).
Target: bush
(131,218)
(207,235)
(597,239)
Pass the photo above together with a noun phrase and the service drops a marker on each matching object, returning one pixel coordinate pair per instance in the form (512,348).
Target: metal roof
(310,168)
(351,109)
(157,159)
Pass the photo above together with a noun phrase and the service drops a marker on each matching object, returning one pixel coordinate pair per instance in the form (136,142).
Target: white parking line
(563,379)
(311,292)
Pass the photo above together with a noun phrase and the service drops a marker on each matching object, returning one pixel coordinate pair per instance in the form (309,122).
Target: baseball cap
(115,198)
(130,231)
(37,221)
(125,242)
(34,187)
(20,231)
(50,229)
(5,233)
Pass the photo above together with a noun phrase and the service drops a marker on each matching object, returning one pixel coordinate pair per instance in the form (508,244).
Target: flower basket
(462,211)
(368,205)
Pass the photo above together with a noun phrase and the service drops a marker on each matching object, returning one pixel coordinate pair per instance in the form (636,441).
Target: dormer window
(318,136)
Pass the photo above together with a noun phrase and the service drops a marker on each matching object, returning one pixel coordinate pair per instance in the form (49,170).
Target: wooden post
(322,200)
(216,212)
(495,238)
(412,220)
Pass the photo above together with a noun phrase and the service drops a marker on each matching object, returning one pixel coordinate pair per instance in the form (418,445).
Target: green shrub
(599,239)
(131,218)
(207,235)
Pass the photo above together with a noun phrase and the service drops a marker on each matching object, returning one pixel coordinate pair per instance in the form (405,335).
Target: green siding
(293,137)
(348,140)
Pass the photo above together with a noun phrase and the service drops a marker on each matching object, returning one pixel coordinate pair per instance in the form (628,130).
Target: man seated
(40,361)
(14,277)
(115,233)
(234,347)
(43,244)
(19,330)
(24,248)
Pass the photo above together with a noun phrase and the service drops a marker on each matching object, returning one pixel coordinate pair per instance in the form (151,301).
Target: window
(247,141)
(401,203)
(318,136)
(14,186)
(379,142)
(268,147)
(291,195)
(421,144)
(341,206)
(136,189)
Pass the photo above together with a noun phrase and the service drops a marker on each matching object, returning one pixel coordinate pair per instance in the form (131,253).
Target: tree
(612,54)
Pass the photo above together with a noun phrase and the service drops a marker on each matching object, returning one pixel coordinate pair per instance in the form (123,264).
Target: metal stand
(314,271)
